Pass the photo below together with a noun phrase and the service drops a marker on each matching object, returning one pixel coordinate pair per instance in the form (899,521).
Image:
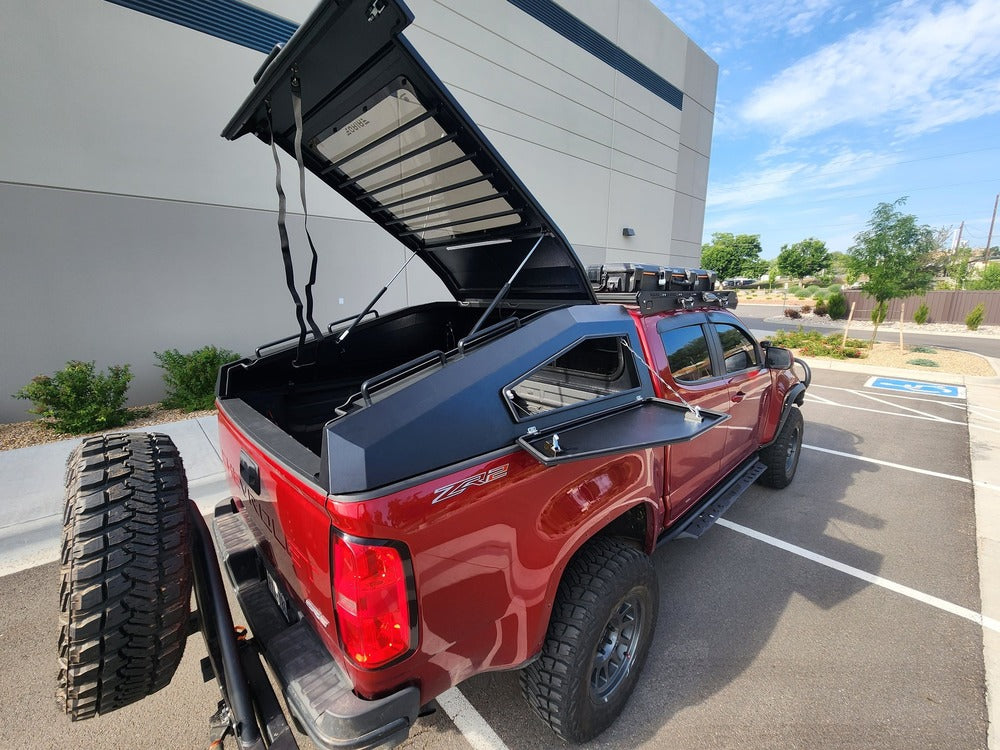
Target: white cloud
(796,177)
(915,70)
(739,22)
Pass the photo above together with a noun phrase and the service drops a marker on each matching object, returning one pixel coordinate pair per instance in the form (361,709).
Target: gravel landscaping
(24,434)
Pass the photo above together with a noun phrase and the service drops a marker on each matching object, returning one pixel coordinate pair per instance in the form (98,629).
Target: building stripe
(231,20)
(246,25)
(572,28)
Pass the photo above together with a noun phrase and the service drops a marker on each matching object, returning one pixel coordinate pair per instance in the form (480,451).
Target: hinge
(375,10)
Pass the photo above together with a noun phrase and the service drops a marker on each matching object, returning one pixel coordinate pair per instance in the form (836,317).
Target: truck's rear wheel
(125,595)
(782,456)
(601,628)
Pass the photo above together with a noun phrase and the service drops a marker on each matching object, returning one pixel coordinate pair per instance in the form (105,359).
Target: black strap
(297,112)
(286,253)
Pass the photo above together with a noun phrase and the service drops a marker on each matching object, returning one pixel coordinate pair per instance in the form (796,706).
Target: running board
(706,513)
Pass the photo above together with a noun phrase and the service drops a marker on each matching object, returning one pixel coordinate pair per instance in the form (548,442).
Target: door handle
(739,396)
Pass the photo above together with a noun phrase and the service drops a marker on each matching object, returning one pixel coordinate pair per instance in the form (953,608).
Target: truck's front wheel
(782,456)
(601,628)
(126,575)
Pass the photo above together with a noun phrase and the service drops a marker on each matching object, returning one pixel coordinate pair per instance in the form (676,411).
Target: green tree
(837,263)
(894,252)
(732,255)
(988,279)
(805,258)
(772,272)
(957,266)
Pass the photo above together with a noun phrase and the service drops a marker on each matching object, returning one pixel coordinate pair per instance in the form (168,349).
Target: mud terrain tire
(600,632)
(782,456)
(125,594)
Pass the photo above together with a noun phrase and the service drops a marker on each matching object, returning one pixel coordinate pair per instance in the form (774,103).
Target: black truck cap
(382,130)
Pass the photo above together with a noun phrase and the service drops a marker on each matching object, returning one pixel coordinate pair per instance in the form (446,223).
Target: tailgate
(286,512)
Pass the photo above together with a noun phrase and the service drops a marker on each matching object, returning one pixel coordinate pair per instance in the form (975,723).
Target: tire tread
(773,455)
(548,683)
(125,588)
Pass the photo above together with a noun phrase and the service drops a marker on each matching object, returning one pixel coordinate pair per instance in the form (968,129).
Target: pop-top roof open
(382,130)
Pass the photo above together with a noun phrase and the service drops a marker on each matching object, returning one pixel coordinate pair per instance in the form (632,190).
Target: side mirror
(778,358)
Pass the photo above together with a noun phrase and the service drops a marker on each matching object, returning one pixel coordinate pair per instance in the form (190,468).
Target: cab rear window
(688,353)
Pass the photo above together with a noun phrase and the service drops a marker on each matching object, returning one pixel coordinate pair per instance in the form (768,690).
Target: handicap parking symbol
(917,387)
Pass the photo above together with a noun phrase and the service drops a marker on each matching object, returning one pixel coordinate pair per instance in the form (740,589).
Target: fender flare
(795,396)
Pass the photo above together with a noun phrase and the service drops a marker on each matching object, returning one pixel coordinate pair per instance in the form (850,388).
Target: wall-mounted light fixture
(628,232)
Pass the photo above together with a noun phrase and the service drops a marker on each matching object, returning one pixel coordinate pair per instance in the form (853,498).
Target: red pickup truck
(440,491)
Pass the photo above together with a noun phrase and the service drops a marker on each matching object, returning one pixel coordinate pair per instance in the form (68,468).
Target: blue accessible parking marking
(917,386)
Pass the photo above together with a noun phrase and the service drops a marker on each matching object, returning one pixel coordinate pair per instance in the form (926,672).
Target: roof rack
(650,303)
(633,277)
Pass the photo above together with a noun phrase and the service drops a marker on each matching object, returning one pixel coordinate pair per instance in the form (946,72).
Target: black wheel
(125,595)
(782,456)
(601,628)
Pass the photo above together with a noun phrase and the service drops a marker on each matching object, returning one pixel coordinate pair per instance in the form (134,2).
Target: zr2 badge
(453,490)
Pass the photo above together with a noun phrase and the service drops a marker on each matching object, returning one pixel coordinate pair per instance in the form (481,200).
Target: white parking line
(987,623)
(906,408)
(469,721)
(827,402)
(889,394)
(890,464)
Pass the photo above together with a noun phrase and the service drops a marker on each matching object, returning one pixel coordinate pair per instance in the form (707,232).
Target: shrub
(920,316)
(837,305)
(811,290)
(791,312)
(806,308)
(975,318)
(814,344)
(833,288)
(923,349)
(190,378)
(922,362)
(77,399)
(821,308)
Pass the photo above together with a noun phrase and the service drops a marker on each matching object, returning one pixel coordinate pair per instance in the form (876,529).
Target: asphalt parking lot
(837,613)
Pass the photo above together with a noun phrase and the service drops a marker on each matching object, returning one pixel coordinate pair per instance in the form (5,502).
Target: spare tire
(125,596)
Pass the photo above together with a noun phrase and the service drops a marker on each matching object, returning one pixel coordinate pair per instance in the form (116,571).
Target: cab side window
(687,354)
(738,351)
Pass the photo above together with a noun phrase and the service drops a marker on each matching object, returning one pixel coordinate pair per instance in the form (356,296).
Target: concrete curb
(984,430)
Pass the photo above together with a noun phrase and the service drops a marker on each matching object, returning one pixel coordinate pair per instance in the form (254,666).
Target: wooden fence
(944,306)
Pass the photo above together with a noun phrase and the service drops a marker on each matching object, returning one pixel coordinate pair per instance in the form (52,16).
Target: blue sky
(827,107)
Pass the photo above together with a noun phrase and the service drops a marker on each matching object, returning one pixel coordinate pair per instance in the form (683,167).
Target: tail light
(372,601)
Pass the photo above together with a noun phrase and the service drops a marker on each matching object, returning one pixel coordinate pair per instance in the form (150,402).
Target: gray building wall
(127,226)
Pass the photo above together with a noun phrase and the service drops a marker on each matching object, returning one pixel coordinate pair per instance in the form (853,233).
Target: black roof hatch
(382,130)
